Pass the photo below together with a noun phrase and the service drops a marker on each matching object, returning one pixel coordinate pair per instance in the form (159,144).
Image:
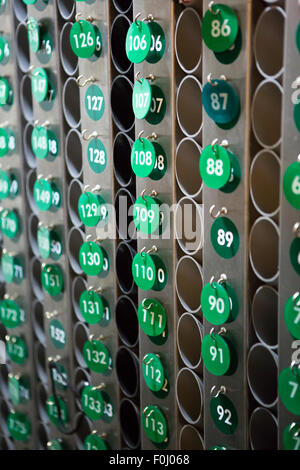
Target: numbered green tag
(215,303)
(94,308)
(146,214)
(97,156)
(291,184)
(93,259)
(49,243)
(289,389)
(6,93)
(96,404)
(16,349)
(9,223)
(46,195)
(292,315)
(148,159)
(223,414)
(9,186)
(291,437)
(92,209)
(94,442)
(4,50)
(158,106)
(219,28)
(85,39)
(298,37)
(97,356)
(149,272)
(52,279)
(221,102)
(141,98)
(155,424)
(152,317)
(56,444)
(11,315)
(215,166)
(29,2)
(43,142)
(19,426)
(57,334)
(12,268)
(153,372)
(216,354)
(295,254)
(158,43)
(225,237)
(53,412)
(39,84)
(33,33)
(60,376)
(94,102)
(138,42)
(19,390)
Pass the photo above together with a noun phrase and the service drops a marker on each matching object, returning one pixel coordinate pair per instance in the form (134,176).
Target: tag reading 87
(225,237)
(220,102)
(94,102)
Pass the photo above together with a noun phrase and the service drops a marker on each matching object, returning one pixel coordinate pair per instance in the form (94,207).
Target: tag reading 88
(223,414)
(96,155)
(155,424)
(94,102)
(215,166)
(221,102)
(225,237)
(291,184)
(219,28)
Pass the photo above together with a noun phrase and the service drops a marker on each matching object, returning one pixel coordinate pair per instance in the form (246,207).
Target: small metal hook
(137,75)
(143,304)
(86,81)
(153,249)
(222,211)
(98,387)
(140,135)
(222,390)
(296,299)
(136,18)
(293,364)
(153,193)
(296,229)
(298,158)
(296,434)
(210,5)
(143,195)
(152,136)
(222,331)
(209,79)
(142,252)
(149,17)
(86,186)
(149,362)
(152,411)
(92,135)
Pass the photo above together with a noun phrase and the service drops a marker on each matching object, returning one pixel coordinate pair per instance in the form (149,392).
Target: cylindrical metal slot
(66,8)
(20,10)
(74,192)
(130,423)
(265,182)
(124,257)
(187,168)
(35,276)
(76,238)
(189,106)
(81,335)
(264,315)
(262,375)
(127,370)
(188,46)
(189,283)
(3,332)
(268,47)
(121,103)
(118,34)
(121,156)
(123,6)
(22,49)
(71,102)
(81,379)
(190,438)
(26,98)
(40,360)
(4,412)
(126,321)
(30,180)
(266,113)
(264,245)
(68,59)
(189,339)
(73,152)
(43,436)
(124,202)
(189,225)
(29,155)
(189,396)
(41,401)
(33,223)
(263,430)
(78,286)
(6,443)
(38,320)
(83,431)
(4,371)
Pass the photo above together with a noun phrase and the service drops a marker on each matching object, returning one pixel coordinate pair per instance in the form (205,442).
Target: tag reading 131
(94,308)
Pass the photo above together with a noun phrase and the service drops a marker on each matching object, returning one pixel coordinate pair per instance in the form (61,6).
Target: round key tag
(216,354)
(152,317)
(93,259)
(42,193)
(39,84)
(60,376)
(298,37)
(4,142)
(146,214)
(4,50)
(155,424)
(12,268)
(18,388)
(85,39)
(94,102)
(291,437)
(138,42)
(97,356)
(143,157)
(295,254)
(9,223)
(219,27)
(161,163)
(96,404)
(52,411)
(33,33)
(5,92)
(11,315)
(94,308)
(158,43)
(158,106)
(225,237)
(56,444)
(43,142)
(215,166)
(223,414)
(19,426)
(291,184)
(149,272)
(52,279)
(153,372)
(57,334)
(292,315)
(94,442)
(4,185)
(289,389)
(215,303)
(16,349)
(92,209)
(141,98)
(97,156)
(49,243)
(220,102)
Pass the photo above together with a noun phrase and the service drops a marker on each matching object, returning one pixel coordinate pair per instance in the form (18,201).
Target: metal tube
(190,438)
(118,34)
(262,375)
(263,430)
(68,59)
(73,153)
(264,315)
(130,423)
(189,396)
(76,238)
(121,103)
(189,106)
(189,339)
(121,158)
(187,168)
(126,321)
(127,370)
(188,44)
(71,102)
(263,244)
(124,257)
(189,283)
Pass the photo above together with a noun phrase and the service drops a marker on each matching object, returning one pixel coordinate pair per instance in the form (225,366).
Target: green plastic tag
(52,411)
(152,317)
(55,444)
(138,42)
(96,404)
(92,209)
(33,33)
(295,254)
(149,272)
(215,354)
(60,376)
(141,98)
(16,349)
(85,39)
(94,308)
(94,442)
(158,106)
(291,184)
(155,424)
(219,28)
(146,214)
(7,142)
(94,102)
(291,437)
(52,279)
(221,102)
(292,315)
(143,157)
(289,389)
(4,50)
(93,259)
(153,372)
(4,184)
(12,268)
(19,389)
(158,43)
(19,426)
(97,356)
(225,237)
(298,37)
(57,334)
(229,56)
(39,84)
(5,92)
(215,166)
(215,303)
(49,243)
(11,315)
(9,223)
(223,414)
(46,195)
(43,142)
(97,156)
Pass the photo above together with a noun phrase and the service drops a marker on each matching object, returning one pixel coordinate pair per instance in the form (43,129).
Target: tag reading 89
(225,237)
